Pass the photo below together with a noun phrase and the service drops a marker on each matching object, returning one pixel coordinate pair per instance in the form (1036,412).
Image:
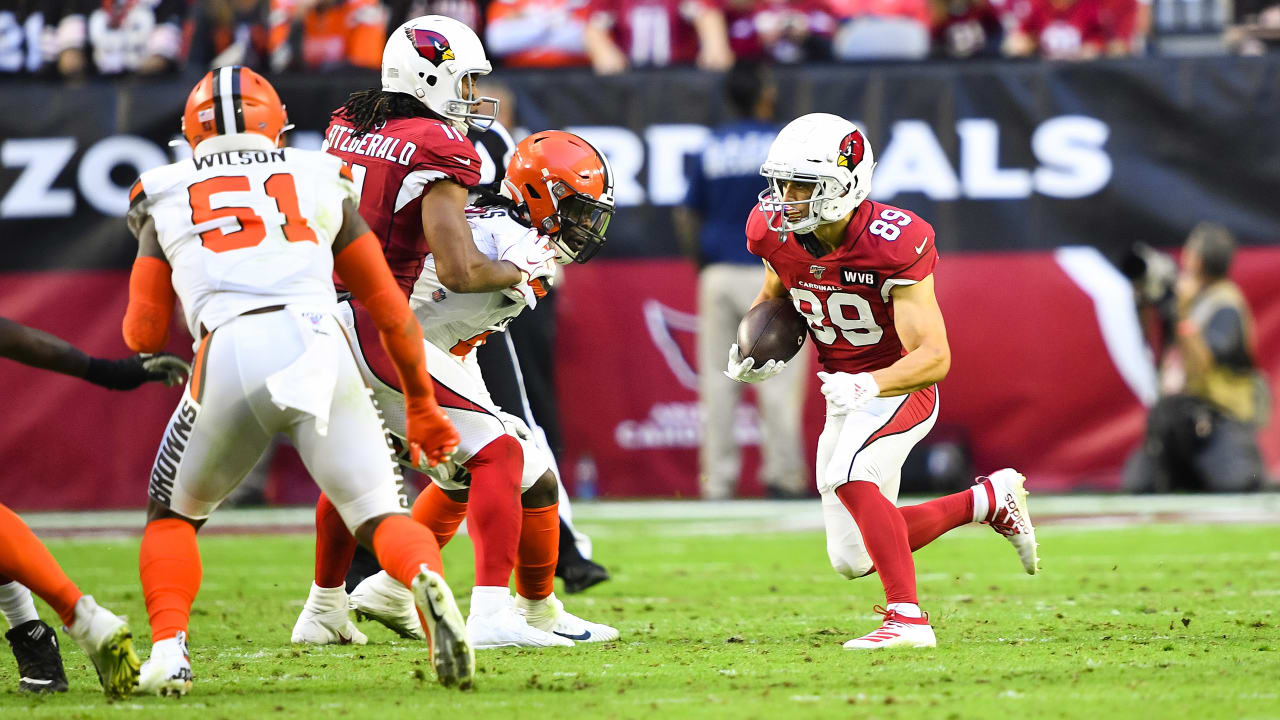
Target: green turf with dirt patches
(1154,621)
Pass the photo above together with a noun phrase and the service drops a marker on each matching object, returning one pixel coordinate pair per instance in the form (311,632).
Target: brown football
(772,330)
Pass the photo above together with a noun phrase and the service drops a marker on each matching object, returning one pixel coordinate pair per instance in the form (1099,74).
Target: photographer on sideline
(1203,435)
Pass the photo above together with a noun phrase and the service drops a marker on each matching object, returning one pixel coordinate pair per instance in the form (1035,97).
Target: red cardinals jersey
(1063,28)
(392,167)
(652,32)
(845,295)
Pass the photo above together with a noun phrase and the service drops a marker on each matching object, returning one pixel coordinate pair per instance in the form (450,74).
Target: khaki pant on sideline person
(725,292)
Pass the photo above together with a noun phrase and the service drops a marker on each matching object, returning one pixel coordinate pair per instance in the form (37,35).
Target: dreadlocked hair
(367,109)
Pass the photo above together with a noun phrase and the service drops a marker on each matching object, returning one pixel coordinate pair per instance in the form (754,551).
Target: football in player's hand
(772,330)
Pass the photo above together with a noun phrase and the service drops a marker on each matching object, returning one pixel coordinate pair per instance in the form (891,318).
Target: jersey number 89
(860,331)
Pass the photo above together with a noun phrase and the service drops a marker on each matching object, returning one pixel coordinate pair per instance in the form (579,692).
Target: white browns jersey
(458,322)
(246,229)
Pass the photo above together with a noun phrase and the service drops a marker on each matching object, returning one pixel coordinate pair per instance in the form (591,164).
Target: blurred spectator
(785,31)
(881,29)
(1256,27)
(467,12)
(656,33)
(111,37)
(537,33)
(1126,24)
(965,28)
(1202,434)
(723,186)
(326,34)
(230,32)
(1060,30)
(26,35)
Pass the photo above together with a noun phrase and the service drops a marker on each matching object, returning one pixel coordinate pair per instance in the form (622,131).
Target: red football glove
(429,431)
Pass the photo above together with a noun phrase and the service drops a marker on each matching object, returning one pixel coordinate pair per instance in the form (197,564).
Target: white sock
(16,604)
(322,600)
(487,600)
(981,507)
(910,610)
(533,607)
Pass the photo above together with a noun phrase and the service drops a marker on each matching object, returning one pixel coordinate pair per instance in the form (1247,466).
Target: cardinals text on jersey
(845,295)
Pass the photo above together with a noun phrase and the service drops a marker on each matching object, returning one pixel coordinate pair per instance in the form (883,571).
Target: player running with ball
(861,274)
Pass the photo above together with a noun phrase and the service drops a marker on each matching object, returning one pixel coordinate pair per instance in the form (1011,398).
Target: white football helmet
(430,58)
(823,149)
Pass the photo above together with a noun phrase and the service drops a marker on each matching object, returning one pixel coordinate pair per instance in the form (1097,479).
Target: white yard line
(694,517)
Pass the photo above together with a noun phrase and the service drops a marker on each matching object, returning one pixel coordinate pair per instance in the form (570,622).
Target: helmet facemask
(808,212)
(466,106)
(578,225)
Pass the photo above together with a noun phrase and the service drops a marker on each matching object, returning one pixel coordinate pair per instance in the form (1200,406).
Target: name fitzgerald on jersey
(395,149)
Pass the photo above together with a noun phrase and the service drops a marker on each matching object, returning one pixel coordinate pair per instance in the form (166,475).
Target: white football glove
(744,371)
(533,254)
(848,393)
(515,425)
(174,369)
(535,257)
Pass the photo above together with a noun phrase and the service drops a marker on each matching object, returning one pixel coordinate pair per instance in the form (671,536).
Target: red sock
(884,533)
(25,559)
(441,514)
(539,551)
(169,563)
(403,545)
(494,509)
(335,546)
(927,521)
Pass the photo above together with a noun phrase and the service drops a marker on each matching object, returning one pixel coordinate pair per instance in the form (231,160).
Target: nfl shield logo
(817,271)
(438,295)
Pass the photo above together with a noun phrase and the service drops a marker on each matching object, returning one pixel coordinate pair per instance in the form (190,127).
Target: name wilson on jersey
(238,157)
(343,139)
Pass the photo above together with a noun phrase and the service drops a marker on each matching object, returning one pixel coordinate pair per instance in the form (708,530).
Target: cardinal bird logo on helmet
(431,45)
(851,150)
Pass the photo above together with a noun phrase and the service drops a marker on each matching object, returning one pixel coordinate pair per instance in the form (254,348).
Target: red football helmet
(231,100)
(565,186)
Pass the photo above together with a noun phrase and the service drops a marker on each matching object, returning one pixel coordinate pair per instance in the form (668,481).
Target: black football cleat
(580,575)
(35,645)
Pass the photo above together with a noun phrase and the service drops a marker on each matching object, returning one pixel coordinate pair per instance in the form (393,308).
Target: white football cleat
(382,598)
(1010,517)
(168,670)
(451,651)
(550,616)
(324,620)
(896,631)
(502,626)
(108,642)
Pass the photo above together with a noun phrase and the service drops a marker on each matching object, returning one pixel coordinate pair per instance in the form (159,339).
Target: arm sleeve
(1224,334)
(364,270)
(151,299)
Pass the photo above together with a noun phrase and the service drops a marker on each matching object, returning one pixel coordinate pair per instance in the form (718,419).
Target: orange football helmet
(233,99)
(565,187)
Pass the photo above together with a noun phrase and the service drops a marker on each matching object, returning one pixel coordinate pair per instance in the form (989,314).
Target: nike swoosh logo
(586,635)
(464,161)
(921,248)
(35,681)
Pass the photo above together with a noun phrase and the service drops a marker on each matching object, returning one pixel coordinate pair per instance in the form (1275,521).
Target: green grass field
(1152,621)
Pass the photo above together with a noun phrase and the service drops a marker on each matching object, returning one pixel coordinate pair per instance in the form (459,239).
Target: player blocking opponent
(406,145)
(249,235)
(558,184)
(861,273)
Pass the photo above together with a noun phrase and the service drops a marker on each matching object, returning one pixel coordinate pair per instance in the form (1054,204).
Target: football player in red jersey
(407,149)
(861,273)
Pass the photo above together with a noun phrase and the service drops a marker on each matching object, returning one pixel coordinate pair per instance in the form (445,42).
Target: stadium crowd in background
(75,39)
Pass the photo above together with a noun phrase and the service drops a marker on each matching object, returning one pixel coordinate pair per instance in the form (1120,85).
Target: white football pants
(869,445)
(290,371)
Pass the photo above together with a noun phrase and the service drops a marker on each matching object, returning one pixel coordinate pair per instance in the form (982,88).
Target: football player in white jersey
(248,234)
(558,193)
